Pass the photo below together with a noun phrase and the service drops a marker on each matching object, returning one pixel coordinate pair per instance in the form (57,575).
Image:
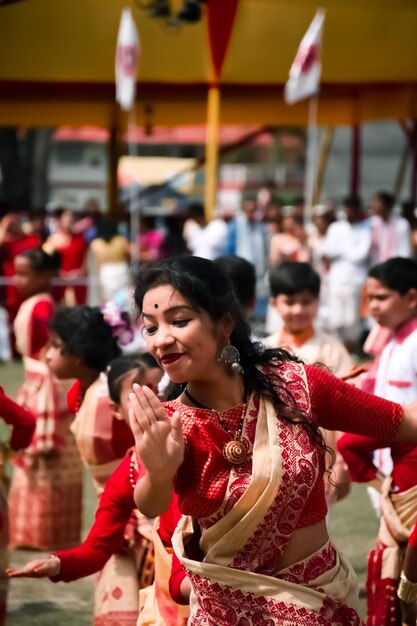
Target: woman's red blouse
(202,479)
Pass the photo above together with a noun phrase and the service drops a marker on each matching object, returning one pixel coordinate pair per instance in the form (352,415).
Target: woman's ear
(115,410)
(226,325)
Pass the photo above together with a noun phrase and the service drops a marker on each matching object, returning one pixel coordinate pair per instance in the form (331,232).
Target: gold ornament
(407,590)
(235,452)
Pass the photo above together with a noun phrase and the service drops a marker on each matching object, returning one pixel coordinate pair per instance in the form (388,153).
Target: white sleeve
(403,243)
(361,250)
(331,244)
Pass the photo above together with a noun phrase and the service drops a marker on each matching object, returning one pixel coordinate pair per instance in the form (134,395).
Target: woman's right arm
(152,494)
(160,447)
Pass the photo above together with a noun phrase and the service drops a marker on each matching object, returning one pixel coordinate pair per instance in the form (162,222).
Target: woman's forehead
(163,296)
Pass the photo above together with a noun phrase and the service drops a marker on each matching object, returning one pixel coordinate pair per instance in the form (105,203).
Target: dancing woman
(242,448)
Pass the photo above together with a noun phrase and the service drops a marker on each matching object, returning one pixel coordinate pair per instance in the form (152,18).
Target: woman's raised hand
(39,568)
(158,437)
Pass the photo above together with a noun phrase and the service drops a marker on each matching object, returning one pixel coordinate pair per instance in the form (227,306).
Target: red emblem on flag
(127,57)
(306,57)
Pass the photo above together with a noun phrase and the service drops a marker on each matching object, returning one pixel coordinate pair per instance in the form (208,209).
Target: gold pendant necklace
(234,451)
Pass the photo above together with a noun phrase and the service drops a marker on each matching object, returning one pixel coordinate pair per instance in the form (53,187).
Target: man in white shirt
(207,239)
(391,234)
(346,249)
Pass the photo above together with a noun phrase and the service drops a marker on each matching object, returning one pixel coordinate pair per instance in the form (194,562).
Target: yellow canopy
(57,63)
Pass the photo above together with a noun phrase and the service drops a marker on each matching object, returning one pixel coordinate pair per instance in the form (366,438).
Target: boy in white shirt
(295,292)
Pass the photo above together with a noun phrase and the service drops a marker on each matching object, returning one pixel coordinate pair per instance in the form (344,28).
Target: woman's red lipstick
(170,358)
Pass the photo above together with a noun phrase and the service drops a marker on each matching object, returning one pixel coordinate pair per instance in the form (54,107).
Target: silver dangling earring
(231,356)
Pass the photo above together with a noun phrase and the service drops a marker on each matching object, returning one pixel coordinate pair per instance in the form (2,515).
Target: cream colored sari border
(227,537)
(339,582)
(399,511)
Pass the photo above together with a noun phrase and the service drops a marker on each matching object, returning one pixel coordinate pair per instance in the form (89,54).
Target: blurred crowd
(341,241)
(325,284)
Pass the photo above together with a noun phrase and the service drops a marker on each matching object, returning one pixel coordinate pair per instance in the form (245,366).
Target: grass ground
(353,528)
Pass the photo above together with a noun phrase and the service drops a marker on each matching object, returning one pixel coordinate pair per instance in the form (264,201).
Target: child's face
(28,281)
(298,312)
(122,410)
(151,378)
(388,307)
(63,365)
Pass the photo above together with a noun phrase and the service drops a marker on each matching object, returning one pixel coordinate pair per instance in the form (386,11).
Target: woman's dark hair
(206,286)
(85,334)
(243,276)
(119,367)
(291,277)
(42,261)
(398,274)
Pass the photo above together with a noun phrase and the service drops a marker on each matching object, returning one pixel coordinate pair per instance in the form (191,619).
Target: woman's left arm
(408,427)
(336,405)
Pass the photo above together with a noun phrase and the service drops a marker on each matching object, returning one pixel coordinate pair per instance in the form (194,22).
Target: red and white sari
(116,595)
(237,582)
(156,605)
(45,499)
(399,511)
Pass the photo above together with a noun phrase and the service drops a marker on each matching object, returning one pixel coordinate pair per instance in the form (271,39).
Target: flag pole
(311,159)
(212,150)
(127,52)
(134,211)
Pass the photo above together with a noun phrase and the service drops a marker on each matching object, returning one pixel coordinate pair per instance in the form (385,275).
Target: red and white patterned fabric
(244,586)
(334,404)
(45,499)
(399,512)
(102,442)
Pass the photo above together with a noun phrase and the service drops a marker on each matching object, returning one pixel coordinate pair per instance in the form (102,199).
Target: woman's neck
(220,394)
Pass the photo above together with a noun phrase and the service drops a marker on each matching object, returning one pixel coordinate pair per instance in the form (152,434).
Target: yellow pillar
(212,150)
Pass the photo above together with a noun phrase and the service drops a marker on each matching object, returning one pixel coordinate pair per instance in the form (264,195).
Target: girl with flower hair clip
(84,341)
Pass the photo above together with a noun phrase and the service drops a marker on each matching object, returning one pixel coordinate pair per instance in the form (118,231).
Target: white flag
(304,77)
(127,53)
